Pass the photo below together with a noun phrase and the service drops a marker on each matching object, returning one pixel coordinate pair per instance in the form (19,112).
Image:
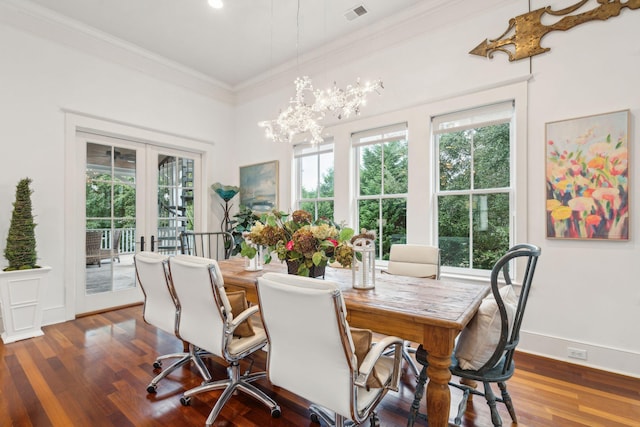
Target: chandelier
(303,116)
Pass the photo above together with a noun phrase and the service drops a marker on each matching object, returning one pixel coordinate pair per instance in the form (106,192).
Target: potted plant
(240,224)
(22,283)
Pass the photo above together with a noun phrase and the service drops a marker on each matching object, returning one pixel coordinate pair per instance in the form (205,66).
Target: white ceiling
(239,42)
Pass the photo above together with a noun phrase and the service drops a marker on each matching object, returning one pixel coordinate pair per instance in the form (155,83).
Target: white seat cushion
(384,370)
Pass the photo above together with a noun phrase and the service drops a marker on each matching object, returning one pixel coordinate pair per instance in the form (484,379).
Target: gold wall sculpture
(528,28)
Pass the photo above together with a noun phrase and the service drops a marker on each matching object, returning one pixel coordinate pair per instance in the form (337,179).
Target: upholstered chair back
(201,315)
(159,302)
(305,323)
(414,260)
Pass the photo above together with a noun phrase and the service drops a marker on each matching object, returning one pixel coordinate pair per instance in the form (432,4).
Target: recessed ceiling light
(216,4)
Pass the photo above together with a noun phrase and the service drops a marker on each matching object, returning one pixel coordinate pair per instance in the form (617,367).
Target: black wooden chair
(484,352)
(207,244)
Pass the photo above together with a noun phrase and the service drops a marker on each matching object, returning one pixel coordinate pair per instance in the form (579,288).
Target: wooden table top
(439,303)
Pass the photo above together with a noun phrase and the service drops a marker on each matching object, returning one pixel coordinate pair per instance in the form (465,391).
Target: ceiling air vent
(355,12)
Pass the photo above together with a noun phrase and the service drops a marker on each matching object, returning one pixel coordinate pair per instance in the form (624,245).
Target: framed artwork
(587,177)
(259,186)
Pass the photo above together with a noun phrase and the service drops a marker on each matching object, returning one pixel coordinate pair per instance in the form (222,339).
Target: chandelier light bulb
(216,4)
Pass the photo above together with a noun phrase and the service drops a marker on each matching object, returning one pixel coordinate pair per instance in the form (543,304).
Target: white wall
(586,293)
(38,79)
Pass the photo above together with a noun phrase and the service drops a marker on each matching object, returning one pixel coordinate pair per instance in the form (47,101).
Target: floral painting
(587,177)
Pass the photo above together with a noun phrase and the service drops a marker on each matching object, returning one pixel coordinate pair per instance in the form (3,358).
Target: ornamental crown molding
(34,19)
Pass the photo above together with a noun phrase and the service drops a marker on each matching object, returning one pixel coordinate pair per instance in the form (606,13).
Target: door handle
(141,243)
(153,243)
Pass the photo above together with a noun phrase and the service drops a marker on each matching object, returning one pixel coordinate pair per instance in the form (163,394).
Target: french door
(137,197)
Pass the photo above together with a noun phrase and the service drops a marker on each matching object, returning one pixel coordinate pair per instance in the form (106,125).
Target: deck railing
(127,239)
(167,238)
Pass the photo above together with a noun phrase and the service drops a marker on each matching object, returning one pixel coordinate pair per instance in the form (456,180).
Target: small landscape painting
(587,177)
(259,186)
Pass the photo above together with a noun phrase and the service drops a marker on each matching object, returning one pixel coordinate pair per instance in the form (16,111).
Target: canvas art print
(587,177)
(259,186)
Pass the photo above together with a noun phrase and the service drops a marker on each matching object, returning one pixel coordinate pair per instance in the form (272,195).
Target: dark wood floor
(93,372)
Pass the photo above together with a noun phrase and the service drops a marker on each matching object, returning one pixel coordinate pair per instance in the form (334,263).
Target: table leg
(439,348)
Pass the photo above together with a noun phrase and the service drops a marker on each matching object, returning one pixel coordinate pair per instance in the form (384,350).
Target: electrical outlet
(577,353)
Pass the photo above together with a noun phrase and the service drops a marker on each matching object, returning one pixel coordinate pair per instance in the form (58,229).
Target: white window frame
(482,116)
(363,139)
(306,150)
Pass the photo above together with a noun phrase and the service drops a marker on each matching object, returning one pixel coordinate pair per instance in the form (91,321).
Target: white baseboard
(50,316)
(620,361)
(53,315)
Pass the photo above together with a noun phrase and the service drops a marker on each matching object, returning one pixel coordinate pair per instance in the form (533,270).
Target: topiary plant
(21,241)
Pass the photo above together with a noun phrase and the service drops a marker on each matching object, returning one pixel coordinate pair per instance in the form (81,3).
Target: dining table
(421,310)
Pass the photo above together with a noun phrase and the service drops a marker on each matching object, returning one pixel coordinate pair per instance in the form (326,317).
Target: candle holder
(363,266)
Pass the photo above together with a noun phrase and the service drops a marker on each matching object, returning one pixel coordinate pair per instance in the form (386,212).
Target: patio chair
(114,252)
(92,247)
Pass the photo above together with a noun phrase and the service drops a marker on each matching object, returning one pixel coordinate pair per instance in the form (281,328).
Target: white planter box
(21,294)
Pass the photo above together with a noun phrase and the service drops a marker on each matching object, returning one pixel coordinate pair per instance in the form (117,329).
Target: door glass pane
(175,201)
(110,212)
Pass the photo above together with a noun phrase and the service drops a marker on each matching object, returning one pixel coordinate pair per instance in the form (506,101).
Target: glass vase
(255,263)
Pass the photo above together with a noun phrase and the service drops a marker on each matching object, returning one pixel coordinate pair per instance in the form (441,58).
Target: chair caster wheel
(315,418)
(186,401)
(275,413)
(374,421)
(157,365)
(152,388)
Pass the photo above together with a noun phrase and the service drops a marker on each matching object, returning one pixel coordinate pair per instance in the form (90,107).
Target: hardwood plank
(94,371)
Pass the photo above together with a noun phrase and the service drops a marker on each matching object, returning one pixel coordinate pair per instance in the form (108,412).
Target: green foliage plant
(20,250)
(241,223)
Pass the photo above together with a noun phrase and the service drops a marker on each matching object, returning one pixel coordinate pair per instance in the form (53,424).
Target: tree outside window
(474,190)
(382,185)
(314,170)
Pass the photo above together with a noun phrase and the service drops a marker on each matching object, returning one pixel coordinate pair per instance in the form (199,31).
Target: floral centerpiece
(301,242)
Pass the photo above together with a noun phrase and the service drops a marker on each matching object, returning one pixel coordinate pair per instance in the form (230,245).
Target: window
(314,184)
(381,157)
(474,191)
